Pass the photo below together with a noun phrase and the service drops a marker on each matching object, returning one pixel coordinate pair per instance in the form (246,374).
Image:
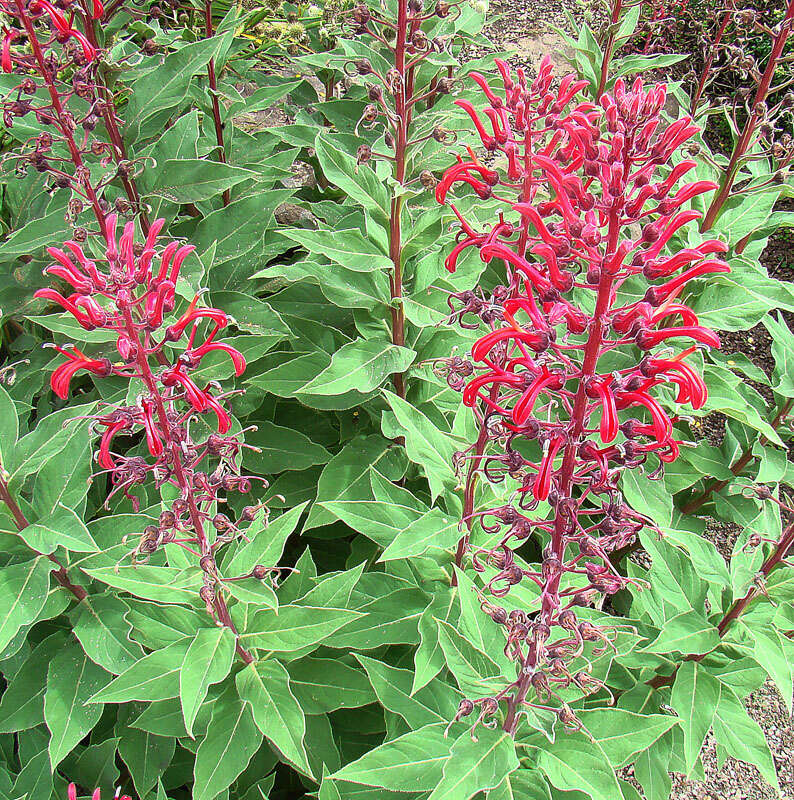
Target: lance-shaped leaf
(231,741)
(694,698)
(477,764)
(266,686)
(72,678)
(207,661)
(361,366)
(24,589)
(413,762)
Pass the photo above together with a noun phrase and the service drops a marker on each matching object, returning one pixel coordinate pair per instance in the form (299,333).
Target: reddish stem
(21,522)
(592,351)
(782,549)
(216,108)
(756,115)
(114,134)
(737,467)
(704,75)
(609,47)
(185,485)
(402,110)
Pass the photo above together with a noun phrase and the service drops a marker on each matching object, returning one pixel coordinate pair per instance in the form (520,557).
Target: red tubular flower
(576,183)
(648,339)
(542,484)
(608,426)
(104,458)
(656,294)
(236,356)
(89,51)
(62,376)
(97,9)
(482,347)
(8,38)
(154,440)
(193,314)
(544,380)
(67,304)
(58,20)
(662,426)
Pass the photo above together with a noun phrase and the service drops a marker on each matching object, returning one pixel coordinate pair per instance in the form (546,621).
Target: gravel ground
(521,27)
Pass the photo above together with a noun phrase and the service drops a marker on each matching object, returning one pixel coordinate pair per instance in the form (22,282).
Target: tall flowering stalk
(757,118)
(394,100)
(130,288)
(591,206)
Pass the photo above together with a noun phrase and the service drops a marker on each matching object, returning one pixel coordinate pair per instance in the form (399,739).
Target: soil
(523,29)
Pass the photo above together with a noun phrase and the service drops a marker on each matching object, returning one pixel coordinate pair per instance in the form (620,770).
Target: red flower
(62,376)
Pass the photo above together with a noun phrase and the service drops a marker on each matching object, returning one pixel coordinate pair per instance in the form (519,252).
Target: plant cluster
(288,508)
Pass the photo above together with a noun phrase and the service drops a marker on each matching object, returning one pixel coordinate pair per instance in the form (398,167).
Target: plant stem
(402,111)
(21,522)
(736,468)
(114,134)
(704,75)
(216,108)
(55,99)
(592,351)
(782,549)
(609,47)
(756,115)
(185,485)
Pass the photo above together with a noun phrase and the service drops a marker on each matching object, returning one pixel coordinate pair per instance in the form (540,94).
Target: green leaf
(429,658)
(425,444)
(167,86)
(361,366)
(413,762)
(686,633)
(742,736)
(63,529)
(146,755)
(72,678)
(267,540)
(24,589)
(266,686)
(436,702)
(434,529)
(22,703)
(207,661)
(348,248)
(622,734)
(358,182)
(775,653)
(192,180)
(574,763)
(783,353)
(694,698)
(476,673)
(523,784)
(322,685)
(100,624)
(161,584)
(477,764)
(280,448)
(385,515)
(294,627)
(231,741)
(9,427)
(154,677)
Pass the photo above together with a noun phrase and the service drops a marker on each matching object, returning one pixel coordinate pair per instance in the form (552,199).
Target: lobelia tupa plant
(130,298)
(128,289)
(585,332)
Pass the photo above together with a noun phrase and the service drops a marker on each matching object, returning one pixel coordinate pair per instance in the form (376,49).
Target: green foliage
(366,641)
